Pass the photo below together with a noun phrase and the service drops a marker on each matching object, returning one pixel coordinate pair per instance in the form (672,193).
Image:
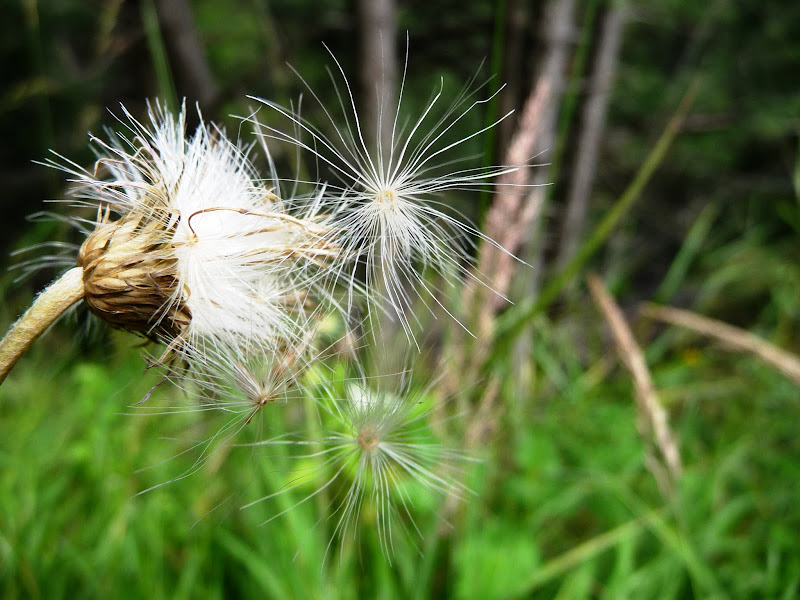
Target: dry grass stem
(508,222)
(508,219)
(483,423)
(739,339)
(649,405)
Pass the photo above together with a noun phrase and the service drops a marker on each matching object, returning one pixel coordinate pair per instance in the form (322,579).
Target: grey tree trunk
(186,53)
(377,20)
(592,126)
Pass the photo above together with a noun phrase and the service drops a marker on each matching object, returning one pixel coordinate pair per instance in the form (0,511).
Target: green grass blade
(688,252)
(583,552)
(158,54)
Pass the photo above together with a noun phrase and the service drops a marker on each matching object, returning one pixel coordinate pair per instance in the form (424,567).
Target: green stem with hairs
(48,306)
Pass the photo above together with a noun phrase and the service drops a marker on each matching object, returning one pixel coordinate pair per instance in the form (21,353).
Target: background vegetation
(572,498)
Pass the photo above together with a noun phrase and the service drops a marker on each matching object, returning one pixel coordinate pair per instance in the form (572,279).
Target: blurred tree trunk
(515,29)
(559,35)
(186,53)
(377,22)
(592,125)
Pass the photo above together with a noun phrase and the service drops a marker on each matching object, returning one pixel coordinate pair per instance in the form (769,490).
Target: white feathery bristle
(227,241)
(375,453)
(245,266)
(386,203)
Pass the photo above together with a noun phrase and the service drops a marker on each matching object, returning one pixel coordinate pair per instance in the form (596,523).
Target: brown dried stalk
(739,339)
(507,222)
(650,408)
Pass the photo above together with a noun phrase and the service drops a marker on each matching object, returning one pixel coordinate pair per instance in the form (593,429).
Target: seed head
(386,201)
(131,279)
(191,247)
(376,457)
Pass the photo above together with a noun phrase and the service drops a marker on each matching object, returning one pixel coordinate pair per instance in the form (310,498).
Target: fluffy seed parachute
(376,454)
(386,201)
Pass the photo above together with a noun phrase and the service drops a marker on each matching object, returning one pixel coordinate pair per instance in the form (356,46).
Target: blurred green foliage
(564,504)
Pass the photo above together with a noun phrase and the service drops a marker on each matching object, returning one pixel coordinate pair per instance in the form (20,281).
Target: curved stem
(48,306)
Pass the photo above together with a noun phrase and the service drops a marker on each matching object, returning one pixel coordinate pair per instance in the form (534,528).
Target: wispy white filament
(244,263)
(376,448)
(386,202)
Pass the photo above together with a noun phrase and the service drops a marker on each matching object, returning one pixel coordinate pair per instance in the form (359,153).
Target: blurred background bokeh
(668,134)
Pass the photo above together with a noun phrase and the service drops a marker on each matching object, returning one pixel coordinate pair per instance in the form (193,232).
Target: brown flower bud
(130,277)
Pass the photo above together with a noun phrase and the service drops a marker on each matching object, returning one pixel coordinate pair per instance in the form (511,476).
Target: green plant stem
(48,306)
(689,250)
(158,54)
(581,553)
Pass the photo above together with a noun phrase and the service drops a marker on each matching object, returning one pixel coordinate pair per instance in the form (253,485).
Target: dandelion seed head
(375,457)
(388,206)
(192,248)
(127,283)
(190,245)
